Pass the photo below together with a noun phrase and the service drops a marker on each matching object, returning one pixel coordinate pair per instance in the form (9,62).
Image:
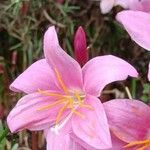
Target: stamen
(141,144)
(143,147)
(58,117)
(50,94)
(135,143)
(52,105)
(62,84)
(61,125)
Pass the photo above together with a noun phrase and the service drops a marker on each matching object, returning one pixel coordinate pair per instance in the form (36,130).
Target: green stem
(4,134)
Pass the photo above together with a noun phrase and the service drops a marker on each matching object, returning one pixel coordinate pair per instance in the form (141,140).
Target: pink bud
(80,47)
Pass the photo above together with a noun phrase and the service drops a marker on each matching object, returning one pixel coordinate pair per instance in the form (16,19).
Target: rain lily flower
(107,5)
(136,24)
(80,47)
(63,96)
(129,121)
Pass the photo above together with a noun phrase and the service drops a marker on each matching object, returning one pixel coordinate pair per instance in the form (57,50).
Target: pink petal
(25,115)
(137,24)
(149,72)
(106,6)
(57,58)
(80,47)
(93,129)
(117,144)
(56,142)
(128,119)
(102,70)
(38,76)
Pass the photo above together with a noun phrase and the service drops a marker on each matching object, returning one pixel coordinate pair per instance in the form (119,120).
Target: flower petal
(38,76)
(136,24)
(128,119)
(93,129)
(57,58)
(106,6)
(56,142)
(26,114)
(102,70)
(117,144)
(62,139)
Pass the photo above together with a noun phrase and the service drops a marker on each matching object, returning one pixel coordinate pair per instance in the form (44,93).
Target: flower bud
(80,46)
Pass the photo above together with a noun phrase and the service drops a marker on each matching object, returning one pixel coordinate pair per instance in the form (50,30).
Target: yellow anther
(62,84)
(52,105)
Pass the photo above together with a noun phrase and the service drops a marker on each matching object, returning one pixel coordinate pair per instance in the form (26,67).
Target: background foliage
(22,25)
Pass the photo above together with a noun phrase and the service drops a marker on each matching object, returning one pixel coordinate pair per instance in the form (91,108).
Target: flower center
(71,99)
(140,145)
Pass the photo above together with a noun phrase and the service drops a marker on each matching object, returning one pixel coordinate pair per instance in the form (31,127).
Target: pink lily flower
(129,123)
(136,24)
(107,5)
(62,95)
(80,46)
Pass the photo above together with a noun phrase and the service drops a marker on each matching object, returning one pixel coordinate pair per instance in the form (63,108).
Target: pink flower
(107,5)
(129,123)
(80,47)
(137,24)
(63,96)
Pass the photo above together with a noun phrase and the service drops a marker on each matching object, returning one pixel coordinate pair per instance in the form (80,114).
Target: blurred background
(22,26)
